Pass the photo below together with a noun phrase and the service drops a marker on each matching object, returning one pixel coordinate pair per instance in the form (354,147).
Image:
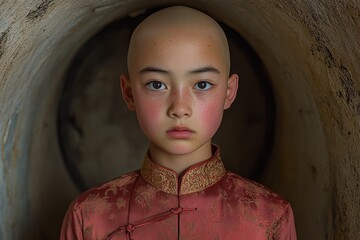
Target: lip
(180,132)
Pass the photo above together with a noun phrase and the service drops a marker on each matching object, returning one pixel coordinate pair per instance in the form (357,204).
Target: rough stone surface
(311,52)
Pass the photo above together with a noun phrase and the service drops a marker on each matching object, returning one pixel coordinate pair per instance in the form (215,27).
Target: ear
(232,86)
(127,92)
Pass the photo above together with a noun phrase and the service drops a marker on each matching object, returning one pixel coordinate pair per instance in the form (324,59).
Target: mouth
(180,129)
(179,132)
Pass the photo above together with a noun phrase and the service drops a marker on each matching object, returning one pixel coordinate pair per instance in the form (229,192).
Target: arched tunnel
(295,127)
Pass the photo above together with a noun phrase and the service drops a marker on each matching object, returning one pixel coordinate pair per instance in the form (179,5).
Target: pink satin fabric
(214,205)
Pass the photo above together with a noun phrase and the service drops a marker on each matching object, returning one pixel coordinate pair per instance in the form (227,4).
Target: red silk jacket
(205,202)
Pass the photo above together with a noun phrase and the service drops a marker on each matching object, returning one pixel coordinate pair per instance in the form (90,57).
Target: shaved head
(173,25)
(178,65)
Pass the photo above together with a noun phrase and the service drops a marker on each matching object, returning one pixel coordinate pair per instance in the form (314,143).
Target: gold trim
(160,177)
(194,179)
(200,177)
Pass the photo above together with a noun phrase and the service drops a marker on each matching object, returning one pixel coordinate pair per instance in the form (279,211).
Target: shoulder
(258,206)
(106,193)
(107,202)
(250,188)
(255,196)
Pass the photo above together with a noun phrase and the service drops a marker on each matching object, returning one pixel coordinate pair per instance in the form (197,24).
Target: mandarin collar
(194,179)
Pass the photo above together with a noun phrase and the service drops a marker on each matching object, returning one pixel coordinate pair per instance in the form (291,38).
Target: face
(179,88)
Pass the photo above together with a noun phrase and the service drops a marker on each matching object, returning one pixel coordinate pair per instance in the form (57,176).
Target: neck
(180,162)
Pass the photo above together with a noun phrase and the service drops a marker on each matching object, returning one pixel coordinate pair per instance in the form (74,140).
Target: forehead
(177,38)
(178,46)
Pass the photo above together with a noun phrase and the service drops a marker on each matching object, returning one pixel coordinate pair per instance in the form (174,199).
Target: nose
(180,105)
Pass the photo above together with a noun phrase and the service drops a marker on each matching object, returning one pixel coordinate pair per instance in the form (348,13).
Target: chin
(183,148)
(180,149)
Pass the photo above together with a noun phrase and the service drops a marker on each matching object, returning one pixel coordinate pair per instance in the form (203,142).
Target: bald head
(175,25)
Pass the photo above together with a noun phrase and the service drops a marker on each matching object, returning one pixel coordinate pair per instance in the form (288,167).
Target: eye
(203,85)
(155,85)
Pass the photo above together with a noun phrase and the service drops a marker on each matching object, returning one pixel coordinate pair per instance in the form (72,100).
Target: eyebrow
(205,70)
(195,71)
(153,69)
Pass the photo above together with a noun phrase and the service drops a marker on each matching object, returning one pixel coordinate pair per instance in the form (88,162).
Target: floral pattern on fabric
(212,204)
(195,179)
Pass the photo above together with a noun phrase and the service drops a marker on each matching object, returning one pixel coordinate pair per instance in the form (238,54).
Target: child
(179,86)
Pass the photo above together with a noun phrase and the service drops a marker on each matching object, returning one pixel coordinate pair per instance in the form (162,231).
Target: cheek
(211,116)
(148,113)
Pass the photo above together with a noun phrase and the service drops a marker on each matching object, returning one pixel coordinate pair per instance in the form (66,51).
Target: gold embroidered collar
(196,178)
